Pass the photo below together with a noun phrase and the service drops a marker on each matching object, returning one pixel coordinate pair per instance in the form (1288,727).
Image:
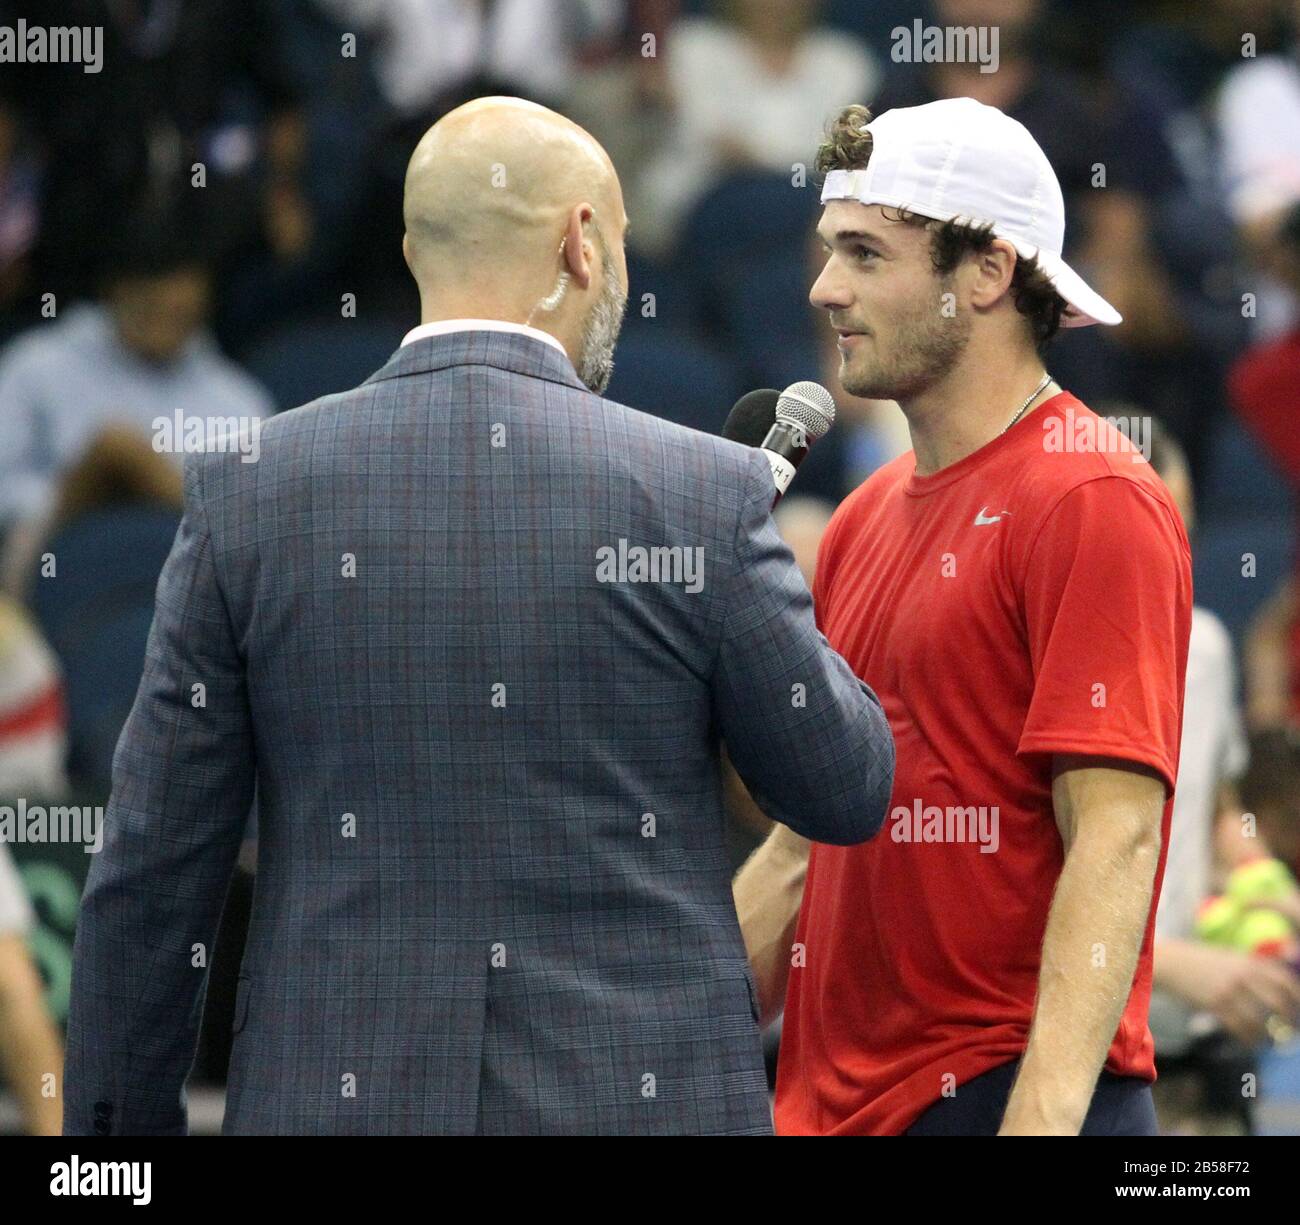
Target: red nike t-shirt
(1032,599)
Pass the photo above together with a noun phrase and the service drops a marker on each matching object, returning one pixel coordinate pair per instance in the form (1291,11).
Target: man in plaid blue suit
(475,634)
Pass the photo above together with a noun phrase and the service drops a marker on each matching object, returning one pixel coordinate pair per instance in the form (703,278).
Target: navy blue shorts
(1121,1106)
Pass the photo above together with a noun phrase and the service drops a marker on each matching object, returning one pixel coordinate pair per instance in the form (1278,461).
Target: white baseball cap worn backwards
(959,160)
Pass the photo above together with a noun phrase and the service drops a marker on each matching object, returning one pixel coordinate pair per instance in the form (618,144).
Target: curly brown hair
(847,146)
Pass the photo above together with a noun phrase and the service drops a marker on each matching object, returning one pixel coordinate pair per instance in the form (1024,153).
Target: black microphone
(751,418)
(783,424)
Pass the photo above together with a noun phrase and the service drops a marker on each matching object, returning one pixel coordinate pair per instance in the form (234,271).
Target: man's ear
(578,250)
(993,272)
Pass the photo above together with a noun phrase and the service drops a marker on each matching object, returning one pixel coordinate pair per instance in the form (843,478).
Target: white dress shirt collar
(444,326)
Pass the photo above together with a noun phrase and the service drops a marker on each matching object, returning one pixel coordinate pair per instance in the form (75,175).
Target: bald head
(515,213)
(493,183)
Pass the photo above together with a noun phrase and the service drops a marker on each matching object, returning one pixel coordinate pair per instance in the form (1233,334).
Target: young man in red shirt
(1017,590)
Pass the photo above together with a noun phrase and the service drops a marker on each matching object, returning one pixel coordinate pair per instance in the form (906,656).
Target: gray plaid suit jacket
(492,890)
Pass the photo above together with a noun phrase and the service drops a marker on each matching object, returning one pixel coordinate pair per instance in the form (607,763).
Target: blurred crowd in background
(212,224)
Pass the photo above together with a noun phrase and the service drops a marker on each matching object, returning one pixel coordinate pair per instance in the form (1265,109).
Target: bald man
(475,635)
(490,190)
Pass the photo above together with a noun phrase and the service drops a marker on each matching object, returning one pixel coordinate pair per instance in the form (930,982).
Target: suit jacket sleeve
(183,778)
(808,737)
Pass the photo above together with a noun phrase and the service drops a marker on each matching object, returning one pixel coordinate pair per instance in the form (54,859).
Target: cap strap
(845,185)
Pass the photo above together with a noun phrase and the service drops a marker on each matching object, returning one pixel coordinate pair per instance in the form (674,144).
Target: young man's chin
(856,383)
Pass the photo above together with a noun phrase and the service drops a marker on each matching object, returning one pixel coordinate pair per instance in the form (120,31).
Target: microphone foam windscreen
(751,418)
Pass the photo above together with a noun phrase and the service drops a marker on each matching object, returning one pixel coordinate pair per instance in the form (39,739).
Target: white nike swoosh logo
(982,521)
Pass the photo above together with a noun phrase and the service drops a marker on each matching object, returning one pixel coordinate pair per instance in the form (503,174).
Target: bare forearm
(1090,951)
(1173,962)
(30,1050)
(768,892)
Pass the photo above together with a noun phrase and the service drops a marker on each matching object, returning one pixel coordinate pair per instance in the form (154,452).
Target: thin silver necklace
(1033,395)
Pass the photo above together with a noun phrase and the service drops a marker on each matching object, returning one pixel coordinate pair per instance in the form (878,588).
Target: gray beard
(600,333)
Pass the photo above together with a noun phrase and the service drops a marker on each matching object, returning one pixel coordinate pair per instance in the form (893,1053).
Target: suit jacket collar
(512,351)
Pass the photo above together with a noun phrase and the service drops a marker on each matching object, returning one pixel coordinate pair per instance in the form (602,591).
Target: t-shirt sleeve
(1107,602)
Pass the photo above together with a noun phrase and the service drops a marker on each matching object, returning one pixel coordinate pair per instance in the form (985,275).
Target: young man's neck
(971,406)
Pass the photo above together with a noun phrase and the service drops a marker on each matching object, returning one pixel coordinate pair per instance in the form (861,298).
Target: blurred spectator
(33,716)
(1253,909)
(19,210)
(114,520)
(1272,650)
(1271,791)
(751,90)
(1212,755)
(182,82)
(137,359)
(1172,63)
(1172,60)
(722,201)
(1264,388)
(33,749)
(626,103)
(30,1050)
(1208,1004)
(119,468)
(424,57)
(1261,163)
(430,50)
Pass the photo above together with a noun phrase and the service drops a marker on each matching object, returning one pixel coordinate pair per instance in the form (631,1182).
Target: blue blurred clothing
(63,382)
